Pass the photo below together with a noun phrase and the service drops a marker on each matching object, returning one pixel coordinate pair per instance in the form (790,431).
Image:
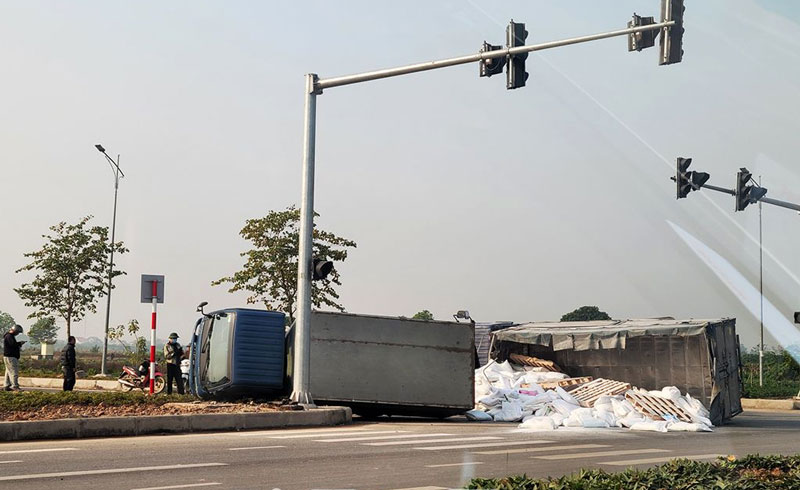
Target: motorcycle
(185,364)
(140,378)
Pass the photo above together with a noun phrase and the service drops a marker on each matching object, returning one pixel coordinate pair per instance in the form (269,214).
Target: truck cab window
(217,349)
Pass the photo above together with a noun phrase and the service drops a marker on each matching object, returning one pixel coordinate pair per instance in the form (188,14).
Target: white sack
(564,407)
(478,415)
(650,425)
(510,411)
(538,423)
(566,396)
(687,427)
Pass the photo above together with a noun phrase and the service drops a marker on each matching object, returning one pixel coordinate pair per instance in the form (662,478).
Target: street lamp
(117,174)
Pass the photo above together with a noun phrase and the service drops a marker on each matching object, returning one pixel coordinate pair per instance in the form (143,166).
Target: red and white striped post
(153,339)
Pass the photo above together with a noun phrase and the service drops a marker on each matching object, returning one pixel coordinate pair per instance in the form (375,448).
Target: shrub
(750,472)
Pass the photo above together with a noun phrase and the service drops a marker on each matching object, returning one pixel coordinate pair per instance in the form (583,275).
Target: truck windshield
(217,348)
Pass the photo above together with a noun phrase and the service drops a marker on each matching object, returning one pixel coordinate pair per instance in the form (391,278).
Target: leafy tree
(6,322)
(423,315)
(71,271)
(43,331)
(270,271)
(136,351)
(585,314)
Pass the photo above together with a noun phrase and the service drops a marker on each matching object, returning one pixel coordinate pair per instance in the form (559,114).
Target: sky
(513,204)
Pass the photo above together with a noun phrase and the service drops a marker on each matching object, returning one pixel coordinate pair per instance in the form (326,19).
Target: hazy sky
(517,205)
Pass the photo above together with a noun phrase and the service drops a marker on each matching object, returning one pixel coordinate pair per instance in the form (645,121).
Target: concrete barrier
(134,426)
(81,384)
(762,404)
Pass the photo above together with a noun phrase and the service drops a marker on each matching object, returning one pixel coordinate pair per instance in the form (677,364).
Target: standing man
(173,352)
(11,350)
(68,363)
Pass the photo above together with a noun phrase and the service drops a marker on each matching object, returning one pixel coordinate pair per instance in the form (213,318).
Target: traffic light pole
(301,381)
(767,200)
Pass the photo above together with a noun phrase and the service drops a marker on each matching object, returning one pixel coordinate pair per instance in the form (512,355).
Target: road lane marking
(632,462)
(15,461)
(188,485)
(543,449)
(300,431)
(49,450)
(253,447)
(38,476)
(372,438)
(431,441)
(600,453)
(364,433)
(472,446)
(452,464)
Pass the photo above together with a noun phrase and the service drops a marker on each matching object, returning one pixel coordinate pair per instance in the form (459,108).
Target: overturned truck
(700,357)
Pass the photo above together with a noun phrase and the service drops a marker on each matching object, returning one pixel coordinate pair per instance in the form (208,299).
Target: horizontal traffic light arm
(765,200)
(324,83)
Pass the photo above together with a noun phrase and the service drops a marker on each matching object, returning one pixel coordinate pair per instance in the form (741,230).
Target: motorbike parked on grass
(140,378)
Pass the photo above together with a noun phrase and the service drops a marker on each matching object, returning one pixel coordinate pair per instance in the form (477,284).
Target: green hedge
(781,375)
(749,473)
(31,400)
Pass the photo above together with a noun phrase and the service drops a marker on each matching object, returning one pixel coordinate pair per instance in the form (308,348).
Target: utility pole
(489,57)
(761,289)
(117,174)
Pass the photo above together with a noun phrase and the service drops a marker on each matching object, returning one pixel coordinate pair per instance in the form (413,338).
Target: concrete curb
(762,404)
(80,384)
(136,426)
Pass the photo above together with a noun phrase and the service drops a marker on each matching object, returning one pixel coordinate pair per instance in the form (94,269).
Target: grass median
(753,472)
(33,400)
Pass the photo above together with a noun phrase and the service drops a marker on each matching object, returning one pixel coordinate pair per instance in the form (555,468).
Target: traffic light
(320,269)
(638,41)
(515,71)
(746,194)
(493,66)
(688,181)
(671,42)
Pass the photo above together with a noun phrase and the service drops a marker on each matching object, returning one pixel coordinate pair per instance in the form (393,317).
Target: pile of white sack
(510,393)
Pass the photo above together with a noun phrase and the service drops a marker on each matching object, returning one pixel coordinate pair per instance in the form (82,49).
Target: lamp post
(117,174)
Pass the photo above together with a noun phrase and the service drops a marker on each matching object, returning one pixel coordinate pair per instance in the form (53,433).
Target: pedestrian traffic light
(492,66)
(745,192)
(320,269)
(638,41)
(688,181)
(671,42)
(515,69)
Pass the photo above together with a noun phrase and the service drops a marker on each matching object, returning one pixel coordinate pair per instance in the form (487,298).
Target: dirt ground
(100,410)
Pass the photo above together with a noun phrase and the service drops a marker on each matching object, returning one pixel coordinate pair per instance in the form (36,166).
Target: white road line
(364,433)
(601,453)
(188,485)
(633,462)
(15,461)
(472,446)
(49,450)
(36,476)
(451,464)
(300,431)
(373,438)
(543,449)
(431,441)
(253,447)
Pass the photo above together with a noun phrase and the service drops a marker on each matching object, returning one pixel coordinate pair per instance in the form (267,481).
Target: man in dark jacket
(68,363)
(173,353)
(11,350)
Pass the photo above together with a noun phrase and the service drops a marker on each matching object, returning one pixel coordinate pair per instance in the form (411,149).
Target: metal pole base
(303,398)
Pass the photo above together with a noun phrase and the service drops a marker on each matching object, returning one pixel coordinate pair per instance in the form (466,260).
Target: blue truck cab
(238,351)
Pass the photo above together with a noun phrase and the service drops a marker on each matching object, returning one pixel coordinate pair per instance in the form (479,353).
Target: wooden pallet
(551,385)
(589,393)
(535,362)
(656,407)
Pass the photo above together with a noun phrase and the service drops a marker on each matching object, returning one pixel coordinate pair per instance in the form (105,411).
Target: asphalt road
(391,454)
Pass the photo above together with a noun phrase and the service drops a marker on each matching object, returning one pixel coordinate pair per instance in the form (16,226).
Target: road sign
(147,288)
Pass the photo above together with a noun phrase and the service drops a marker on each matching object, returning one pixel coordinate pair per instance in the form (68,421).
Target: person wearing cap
(11,350)
(173,352)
